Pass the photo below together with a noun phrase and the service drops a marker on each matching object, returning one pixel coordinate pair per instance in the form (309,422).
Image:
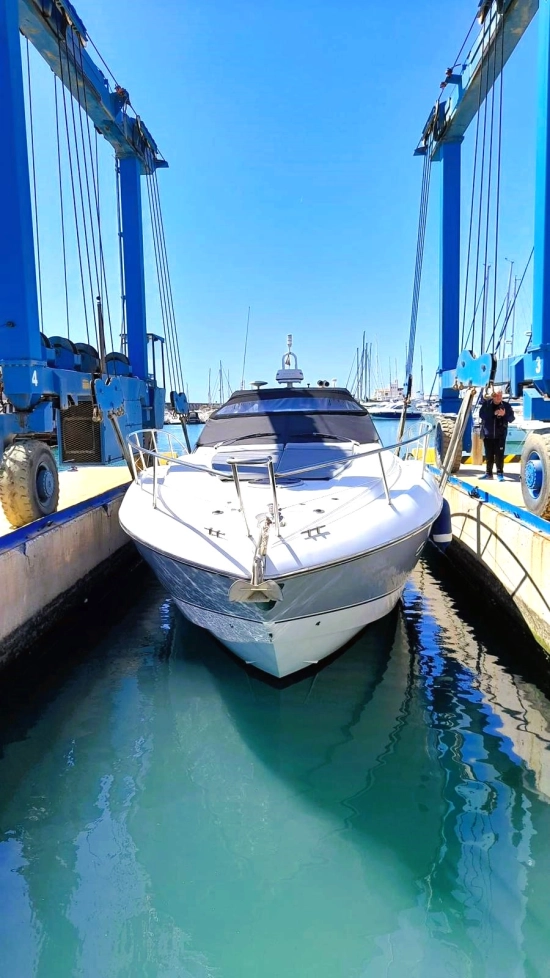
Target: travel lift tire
(444,427)
(29,482)
(535,473)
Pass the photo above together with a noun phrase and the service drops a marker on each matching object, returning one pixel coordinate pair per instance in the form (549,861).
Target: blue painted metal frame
(539,353)
(19,323)
(33,382)
(47,25)
(134,268)
(503,23)
(467,79)
(474,371)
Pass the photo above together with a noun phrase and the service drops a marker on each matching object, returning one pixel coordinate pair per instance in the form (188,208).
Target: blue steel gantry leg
(134,268)
(19,323)
(449,328)
(539,367)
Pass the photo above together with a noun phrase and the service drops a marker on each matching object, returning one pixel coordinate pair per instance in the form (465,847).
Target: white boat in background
(289,528)
(392,410)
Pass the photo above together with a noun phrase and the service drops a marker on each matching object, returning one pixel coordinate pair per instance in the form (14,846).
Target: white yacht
(289,528)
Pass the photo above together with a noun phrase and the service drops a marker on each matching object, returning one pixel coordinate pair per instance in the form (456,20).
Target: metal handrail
(267,460)
(420,436)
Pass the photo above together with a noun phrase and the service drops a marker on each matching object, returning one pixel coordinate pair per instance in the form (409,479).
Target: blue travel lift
(503,23)
(93,400)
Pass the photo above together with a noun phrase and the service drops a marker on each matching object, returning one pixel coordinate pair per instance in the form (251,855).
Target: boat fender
(442,532)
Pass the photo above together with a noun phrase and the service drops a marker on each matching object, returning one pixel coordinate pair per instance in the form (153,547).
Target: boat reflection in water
(168,812)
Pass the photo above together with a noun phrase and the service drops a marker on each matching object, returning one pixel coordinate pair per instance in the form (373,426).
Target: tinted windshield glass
(258,405)
(275,416)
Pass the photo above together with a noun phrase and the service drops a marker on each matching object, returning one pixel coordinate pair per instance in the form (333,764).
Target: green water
(165,813)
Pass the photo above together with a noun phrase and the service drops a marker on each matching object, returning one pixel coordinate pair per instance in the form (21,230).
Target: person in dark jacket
(495,415)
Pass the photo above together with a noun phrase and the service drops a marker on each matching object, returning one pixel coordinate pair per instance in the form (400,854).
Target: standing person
(495,415)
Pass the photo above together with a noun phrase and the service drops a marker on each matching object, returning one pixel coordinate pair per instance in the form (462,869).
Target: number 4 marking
(34,379)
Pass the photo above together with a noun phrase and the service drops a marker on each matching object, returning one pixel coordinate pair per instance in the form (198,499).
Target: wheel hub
(45,484)
(534,475)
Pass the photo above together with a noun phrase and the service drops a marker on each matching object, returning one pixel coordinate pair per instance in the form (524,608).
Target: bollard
(477,447)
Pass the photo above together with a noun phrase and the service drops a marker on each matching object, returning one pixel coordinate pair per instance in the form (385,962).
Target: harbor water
(167,813)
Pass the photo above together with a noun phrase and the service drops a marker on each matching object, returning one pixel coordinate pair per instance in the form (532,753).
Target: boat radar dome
(258,383)
(289,374)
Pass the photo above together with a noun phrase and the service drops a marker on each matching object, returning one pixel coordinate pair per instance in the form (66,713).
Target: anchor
(257,590)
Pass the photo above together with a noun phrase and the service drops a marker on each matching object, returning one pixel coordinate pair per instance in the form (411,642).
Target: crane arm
(474,79)
(57,32)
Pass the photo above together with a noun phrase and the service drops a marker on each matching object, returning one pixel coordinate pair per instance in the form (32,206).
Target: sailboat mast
(369,370)
(245,346)
(364,372)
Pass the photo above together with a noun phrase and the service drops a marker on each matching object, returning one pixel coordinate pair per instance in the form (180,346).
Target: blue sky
(289,127)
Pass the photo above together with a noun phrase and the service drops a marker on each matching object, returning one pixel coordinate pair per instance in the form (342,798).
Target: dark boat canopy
(288,414)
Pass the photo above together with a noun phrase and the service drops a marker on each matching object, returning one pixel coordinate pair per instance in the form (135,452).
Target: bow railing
(146,452)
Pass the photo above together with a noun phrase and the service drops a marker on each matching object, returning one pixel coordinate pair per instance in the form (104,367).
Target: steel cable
(513,303)
(488,207)
(177,351)
(88,218)
(421,236)
(172,370)
(171,317)
(499,156)
(101,275)
(63,241)
(123,331)
(482,178)
(172,375)
(163,288)
(472,202)
(73,190)
(81,193)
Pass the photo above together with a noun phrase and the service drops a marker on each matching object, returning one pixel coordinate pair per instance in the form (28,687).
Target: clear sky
(289,127)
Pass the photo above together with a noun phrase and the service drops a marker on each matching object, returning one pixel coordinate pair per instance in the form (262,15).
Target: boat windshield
(280,417)
(276,405)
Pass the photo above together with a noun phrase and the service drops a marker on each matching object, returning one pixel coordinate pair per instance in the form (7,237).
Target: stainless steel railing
(140,441)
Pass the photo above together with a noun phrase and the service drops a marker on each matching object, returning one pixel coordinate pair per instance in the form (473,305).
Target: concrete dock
(49,563)
(503,545)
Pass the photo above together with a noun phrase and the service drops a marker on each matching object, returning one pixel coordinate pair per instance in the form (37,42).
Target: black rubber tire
(537,444)
(29,482)
(444,427)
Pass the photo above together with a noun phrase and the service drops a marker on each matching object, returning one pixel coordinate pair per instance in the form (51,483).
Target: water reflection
(164,812)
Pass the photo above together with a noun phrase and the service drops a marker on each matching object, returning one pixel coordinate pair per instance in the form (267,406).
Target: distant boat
(193,418)
(391,411)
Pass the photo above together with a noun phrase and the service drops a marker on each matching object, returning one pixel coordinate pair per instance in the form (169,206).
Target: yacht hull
(281,648)
(322,608)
